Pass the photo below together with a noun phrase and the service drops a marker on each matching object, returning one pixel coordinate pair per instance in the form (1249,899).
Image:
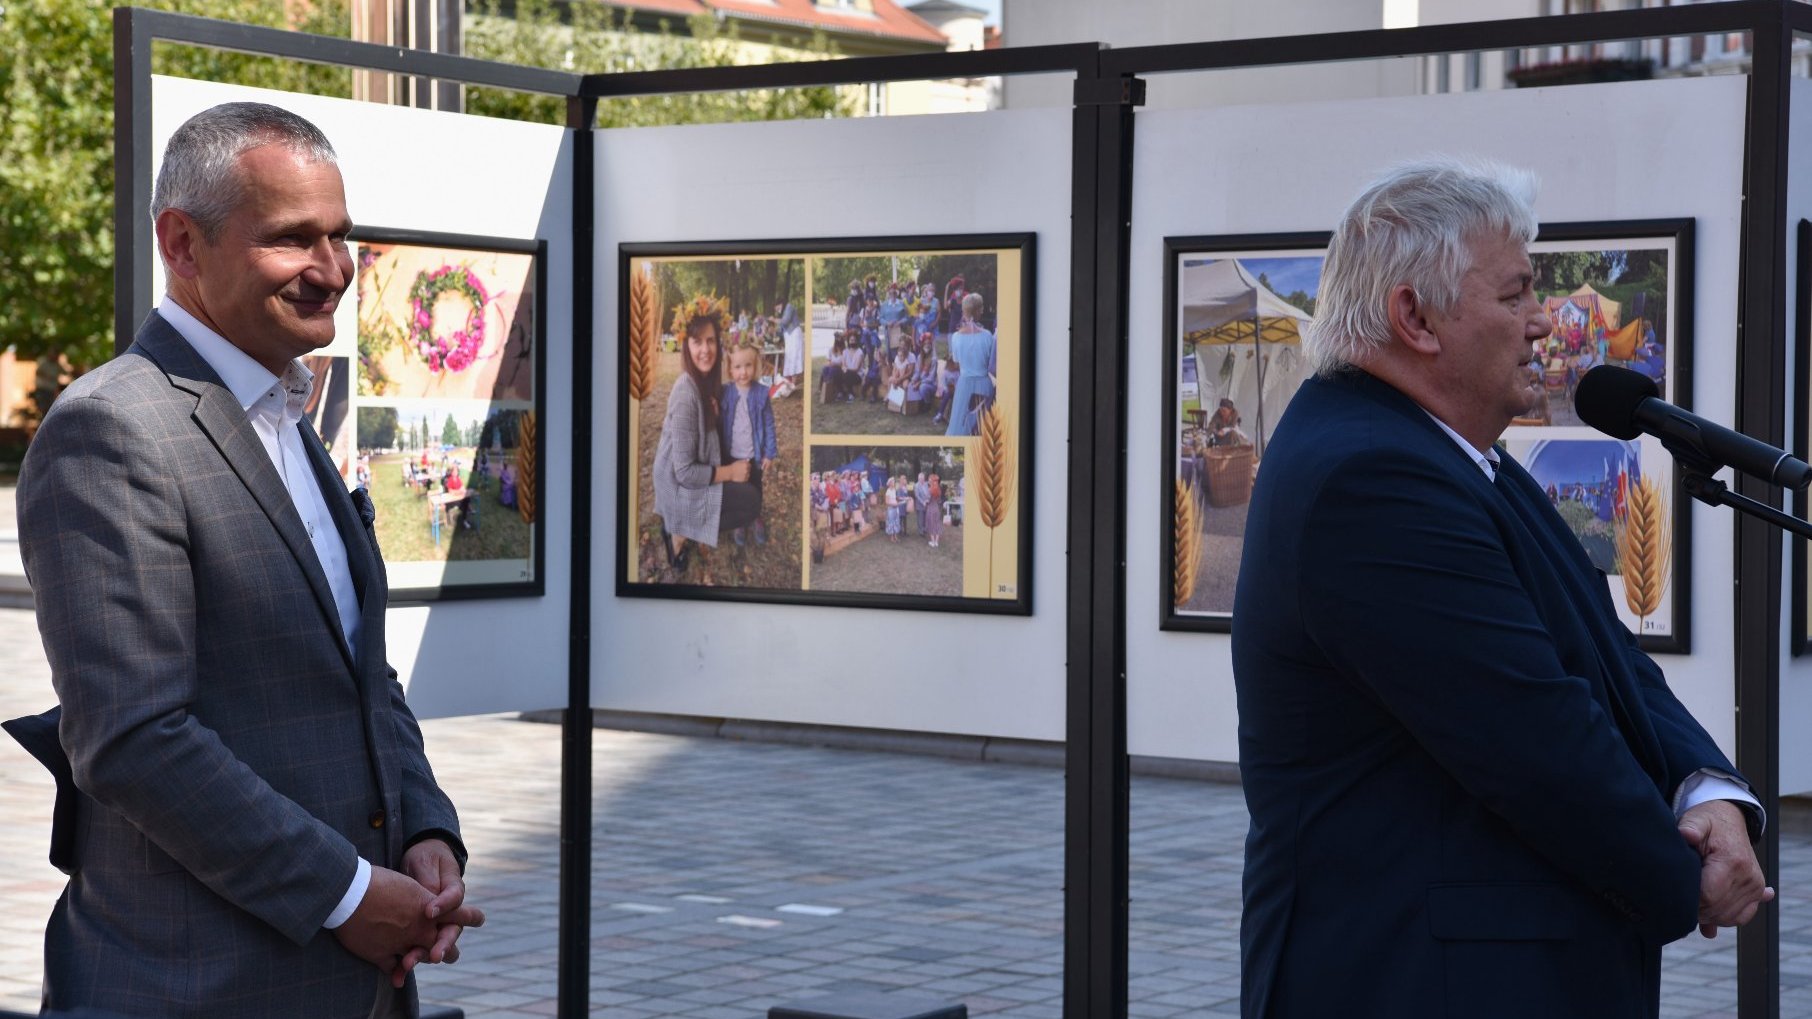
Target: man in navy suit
(1471,794)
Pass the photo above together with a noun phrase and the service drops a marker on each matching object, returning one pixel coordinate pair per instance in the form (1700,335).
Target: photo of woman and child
(911,347)
(720,436)
(887,520)
(759,386)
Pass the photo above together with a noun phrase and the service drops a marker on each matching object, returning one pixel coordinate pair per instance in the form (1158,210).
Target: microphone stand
(1700,484)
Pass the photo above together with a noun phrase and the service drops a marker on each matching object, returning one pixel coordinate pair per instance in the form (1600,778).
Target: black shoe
(677,560)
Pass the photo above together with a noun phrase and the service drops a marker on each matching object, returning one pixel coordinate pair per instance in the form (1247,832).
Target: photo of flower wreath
(447,352)
(443,321)
(443,431)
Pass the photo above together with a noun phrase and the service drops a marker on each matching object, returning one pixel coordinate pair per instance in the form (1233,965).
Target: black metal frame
(1175,248)
(1802,423)
(807,248)
(1107,92)
(536,585)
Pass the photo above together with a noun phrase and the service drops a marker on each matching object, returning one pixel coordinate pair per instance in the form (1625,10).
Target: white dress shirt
(1699,787)
(274,407)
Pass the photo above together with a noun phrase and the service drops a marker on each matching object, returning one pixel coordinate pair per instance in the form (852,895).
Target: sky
(1287,274)
(991,6)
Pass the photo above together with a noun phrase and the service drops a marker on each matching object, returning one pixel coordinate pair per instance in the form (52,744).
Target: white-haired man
(258,831)
(1470,793)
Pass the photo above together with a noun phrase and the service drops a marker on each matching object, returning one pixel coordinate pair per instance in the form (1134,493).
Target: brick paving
(732,876)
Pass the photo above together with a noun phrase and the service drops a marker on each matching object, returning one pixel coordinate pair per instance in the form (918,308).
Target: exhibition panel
(481,250)
(1180,694)
(945,202)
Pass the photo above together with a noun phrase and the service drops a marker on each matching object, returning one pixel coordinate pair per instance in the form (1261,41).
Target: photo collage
(1612,296)
(431,404)
(826,425)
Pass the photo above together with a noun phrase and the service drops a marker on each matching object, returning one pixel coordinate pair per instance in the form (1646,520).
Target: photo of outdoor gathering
(1608,301)
(889,519)
(909,343)
(1622,515)
(445,323)
(451,482)
(1239,320)
(715,358)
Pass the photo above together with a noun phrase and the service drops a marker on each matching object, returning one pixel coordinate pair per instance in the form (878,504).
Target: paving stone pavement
(729,877)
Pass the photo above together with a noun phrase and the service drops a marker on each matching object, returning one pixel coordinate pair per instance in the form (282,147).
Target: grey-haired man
(258,831)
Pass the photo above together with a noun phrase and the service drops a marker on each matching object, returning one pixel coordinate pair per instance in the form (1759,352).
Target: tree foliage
(590,38)
(56,153)
(750,285)
(980,272)
(378,427)
(56,124)
(1298,298)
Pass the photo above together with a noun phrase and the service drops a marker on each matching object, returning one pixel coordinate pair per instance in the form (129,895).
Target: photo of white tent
(1240,338)
(1246,340)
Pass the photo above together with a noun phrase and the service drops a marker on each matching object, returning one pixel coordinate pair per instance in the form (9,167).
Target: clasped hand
(411,916)
(1731,884)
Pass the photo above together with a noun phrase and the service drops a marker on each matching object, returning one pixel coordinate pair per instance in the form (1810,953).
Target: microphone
(1624,404)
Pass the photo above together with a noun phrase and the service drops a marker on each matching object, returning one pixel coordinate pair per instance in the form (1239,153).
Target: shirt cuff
(1709,784)
(361,880)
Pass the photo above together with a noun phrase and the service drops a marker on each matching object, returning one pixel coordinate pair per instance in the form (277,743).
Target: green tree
(1566,271)
(593,38)
(377,427)
(56,153)
(450,432)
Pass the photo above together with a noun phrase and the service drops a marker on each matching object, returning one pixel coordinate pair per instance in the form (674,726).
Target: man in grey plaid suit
(257,830)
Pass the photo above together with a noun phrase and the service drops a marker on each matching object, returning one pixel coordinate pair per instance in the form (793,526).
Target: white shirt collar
(1486,461)
(248,380)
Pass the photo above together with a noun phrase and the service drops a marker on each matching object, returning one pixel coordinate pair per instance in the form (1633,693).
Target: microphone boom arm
(1712,492)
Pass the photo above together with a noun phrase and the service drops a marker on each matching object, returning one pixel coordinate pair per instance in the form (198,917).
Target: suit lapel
(1569,561)
(223,421)
(1559,552)
(359,558)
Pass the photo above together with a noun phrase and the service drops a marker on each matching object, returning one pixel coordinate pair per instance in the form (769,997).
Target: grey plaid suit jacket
(233,756)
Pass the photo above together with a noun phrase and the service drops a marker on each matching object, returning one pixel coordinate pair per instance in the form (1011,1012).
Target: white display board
(1604,152)
(422,170)
(1796,673)
(925,671)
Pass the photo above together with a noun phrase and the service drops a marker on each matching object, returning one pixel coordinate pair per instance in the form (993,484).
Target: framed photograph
(438,403)
(1615,293)
(1235,311)
(842,422)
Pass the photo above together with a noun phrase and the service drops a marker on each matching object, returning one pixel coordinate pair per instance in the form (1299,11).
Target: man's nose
(329,265)
(1538,318)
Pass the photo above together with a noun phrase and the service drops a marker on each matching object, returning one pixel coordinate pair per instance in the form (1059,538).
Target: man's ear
(1409,321)
(177,239)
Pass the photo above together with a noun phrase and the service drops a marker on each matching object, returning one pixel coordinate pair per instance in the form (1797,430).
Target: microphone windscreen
(1607,399)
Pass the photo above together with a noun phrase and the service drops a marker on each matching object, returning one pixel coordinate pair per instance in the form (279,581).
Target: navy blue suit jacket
(1459,765)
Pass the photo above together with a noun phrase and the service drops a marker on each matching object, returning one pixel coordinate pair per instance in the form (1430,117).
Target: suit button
(377,819)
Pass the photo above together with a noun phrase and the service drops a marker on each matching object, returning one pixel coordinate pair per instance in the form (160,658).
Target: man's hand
(432,864)
(391,923)
(1731,884)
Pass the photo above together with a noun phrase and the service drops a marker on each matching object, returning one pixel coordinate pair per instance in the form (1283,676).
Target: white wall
(1796,673)
(1125,23)
(956,173)
(1605,152)
(449,173)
